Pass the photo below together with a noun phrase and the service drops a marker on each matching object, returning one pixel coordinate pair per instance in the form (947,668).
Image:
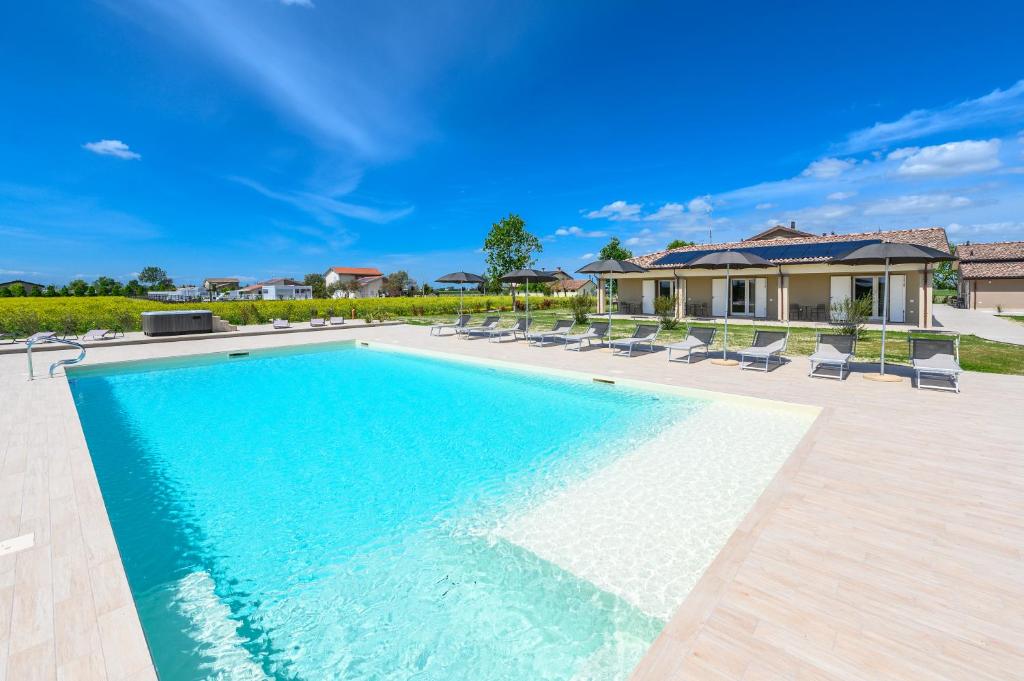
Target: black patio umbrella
(608,268)
(461,278)
(729,260)
(525,277)
(890,254)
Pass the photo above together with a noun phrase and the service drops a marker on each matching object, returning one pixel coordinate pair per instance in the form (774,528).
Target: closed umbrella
(525,276)
(609,268)
(890,254)
(462,278)
(729,260)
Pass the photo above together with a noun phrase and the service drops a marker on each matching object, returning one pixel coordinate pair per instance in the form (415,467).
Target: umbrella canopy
(461,278)
(896,254)
(525,276)
(890,254)
(610,267)
(728,260)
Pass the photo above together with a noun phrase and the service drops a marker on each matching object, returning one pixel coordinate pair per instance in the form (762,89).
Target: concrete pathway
(981,324)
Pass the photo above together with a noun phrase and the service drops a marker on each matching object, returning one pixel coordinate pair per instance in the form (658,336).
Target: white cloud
(952,158)
(764,206)
(840,196)
(297,3)
(986,230)
(587,256)
(827,168)
(617,211)
(576,231)
(112,148)
(326,208)
(917,204)
(700,204)
(999,106)
(670,212)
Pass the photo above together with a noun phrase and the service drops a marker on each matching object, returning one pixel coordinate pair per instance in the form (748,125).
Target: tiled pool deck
(889,546)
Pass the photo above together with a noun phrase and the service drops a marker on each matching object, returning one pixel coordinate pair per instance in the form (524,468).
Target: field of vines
(24,316)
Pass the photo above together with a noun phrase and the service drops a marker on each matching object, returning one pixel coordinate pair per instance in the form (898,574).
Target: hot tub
(173,323)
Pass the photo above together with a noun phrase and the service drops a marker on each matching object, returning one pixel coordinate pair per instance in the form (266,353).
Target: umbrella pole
(527,302)
(462,288)
(608,304)
(885,312)
(728,298)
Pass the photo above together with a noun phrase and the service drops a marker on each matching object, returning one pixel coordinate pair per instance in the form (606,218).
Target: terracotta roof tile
(358,271)
(1000,250)
(934,237)
(569,284)
(1003,269)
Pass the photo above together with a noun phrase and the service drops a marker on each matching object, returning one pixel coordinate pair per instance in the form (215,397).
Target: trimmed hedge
(24,316)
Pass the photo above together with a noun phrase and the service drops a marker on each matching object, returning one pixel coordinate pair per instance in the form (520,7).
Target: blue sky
(273,138)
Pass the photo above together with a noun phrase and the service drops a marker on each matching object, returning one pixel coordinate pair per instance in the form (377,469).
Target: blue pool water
(329,514)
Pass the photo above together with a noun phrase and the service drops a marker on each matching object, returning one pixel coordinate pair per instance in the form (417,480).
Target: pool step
(221,325)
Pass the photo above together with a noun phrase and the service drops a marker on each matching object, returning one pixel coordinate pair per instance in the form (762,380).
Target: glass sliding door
(874,288)
(742,297)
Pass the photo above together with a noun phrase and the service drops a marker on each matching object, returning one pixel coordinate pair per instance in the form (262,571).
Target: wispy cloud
(917,204)
(115,148)
(298,3)
(326,208)
(616,211)
(997,107)
(576,231)
(952,158)
(827,168)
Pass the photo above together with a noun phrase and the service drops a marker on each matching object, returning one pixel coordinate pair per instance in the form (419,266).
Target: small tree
(318,283)
(396,283)
(946,276)
(665,308)
(509,247)
(153,277)
(679,243)
(849,315)
(78,287)
(614,250)
(16,290)
(581,306)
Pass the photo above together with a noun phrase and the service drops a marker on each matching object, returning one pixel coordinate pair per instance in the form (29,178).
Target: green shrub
(581,307)
(665,308)
(849,315)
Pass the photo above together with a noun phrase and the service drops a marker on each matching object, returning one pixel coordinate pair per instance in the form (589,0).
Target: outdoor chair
(644,334)
(316,322)
(597,331)
(768,345)
(558,331)
(10,337)
(41,336)
(833,350)
(696,337)
(938,358)
(97,335)
(336,321)
(282,324)
(520,328)
(460,323)
(489,324)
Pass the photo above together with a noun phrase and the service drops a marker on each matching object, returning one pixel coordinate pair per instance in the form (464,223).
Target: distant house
(365,282)
(27,285)
(182,294)
(285,289)
(573,287)
(992,275)
(559,274)
(217,284)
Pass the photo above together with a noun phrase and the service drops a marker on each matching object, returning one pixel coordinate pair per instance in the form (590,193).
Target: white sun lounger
(519,329)
(938,358)
(644,334)
(597,331)
(833,350)
(489,324)
(41,336)
(282,324)
(768,345)
(460,323)
(317,322)
(97,334)
(558,331)
(336,321)
(697,338)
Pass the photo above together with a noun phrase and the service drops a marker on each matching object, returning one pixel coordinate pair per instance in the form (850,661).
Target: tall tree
(78,287)
(946,276)
(155,278)
(397,283)
(614,250)
(679,243)
(317,282)
(509,247)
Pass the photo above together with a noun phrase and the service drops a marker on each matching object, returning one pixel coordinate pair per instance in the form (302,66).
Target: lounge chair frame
(281,324)
(843,347)
(460,323)
(922,350)
(559,330)
(596,331)
(520,328)
(767,345)
(644,334)
(694,332)
(482,329)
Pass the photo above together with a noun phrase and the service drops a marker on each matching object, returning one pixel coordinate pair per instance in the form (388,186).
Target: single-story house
(285,289)
(573,287)
(801,285)
(220,283)
(992,276)
(27,285)
(182,294)
(367,281)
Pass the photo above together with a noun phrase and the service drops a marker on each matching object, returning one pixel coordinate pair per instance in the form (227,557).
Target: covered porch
(787,293)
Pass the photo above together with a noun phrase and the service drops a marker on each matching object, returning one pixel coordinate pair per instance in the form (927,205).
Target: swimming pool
(342,512)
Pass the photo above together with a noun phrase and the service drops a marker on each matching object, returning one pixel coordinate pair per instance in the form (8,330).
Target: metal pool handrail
(62,362)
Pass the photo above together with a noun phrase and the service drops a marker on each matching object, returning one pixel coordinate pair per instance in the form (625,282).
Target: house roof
(997,260)
(569,284)
(357,271)
(281,281)
(363,281)
(935,237)
(250,288)
(222,280)
(778,232)
(22,282)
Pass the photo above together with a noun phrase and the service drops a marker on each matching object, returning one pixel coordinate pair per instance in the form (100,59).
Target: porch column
(929,275)
(783,297)
(922,291)
(680,297)
(600,295)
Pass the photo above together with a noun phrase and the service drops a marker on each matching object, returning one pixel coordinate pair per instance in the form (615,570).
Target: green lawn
(1013,317)
(976,354)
